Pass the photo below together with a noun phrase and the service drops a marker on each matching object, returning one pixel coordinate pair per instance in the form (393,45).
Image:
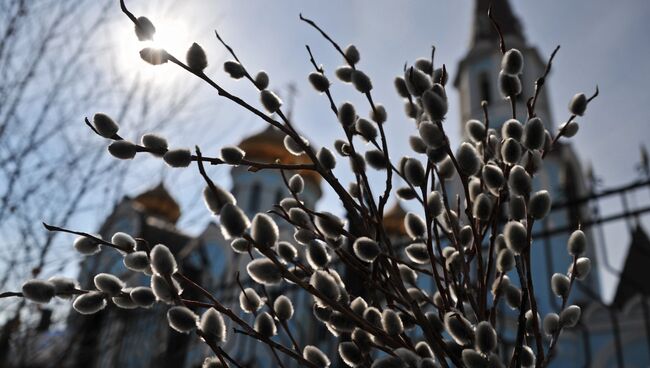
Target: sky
(602,42)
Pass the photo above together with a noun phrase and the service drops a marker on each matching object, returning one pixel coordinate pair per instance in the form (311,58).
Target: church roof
(157,201)
(502,14)
(394,220)
(635,273)
(268,145)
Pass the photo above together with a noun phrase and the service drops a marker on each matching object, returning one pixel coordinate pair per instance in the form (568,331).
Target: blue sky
(603,42)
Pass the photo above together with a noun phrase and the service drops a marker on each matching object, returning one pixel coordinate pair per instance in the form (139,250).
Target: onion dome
(394,220)
(160,203)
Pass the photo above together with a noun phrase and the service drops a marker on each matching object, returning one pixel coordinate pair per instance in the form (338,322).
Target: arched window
(255,196)
(484,87)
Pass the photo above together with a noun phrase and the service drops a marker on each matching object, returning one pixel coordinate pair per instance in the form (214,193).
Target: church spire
(502,13)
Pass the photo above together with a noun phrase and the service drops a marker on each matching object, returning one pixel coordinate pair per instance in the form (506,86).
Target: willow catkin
(361,81)
(350,353)
(123,150)
(582,268)
(512,62)
(344,73)
(347,114)
(196,58)
(434,203)
(378,114)
(513,296)
(124,301)
(325,284)
(577,243)
(366,129)
(539,204)
(459,328)
(144,29)
(435,105)
(527,357)
(417,81)
(178,158)
(512,128)
(560,284)
(264,325)
(475,130)
(519,181)
(89,303)
(534,134)
(315,356)
(213,326)
(105,125)
(468,159)
(283,308)
(326,158)
(216,197)
(38,291)
(431,134)
(418,253)
(511,151)
(424,65)
(486,337)
(482,207)
(366,249)
(551,324)
(329,224)
(516,236)
(232,155)
(163,290)
(493,177)
(317,255)
(414,172)
(296,184)
(570,316)
(509,85)
(287,251)
(234,69)
(261,80)
(154,56)
(408,356)
(264,230)
(182,319)
(143,296)
(212,362)
(417,144)
(270,101)
(414,225)
(517,207)
(319,81)
(86,246)
(505,260)
(376,159)
(474,359)
(391,322)
(63,287)
(240,245)
(578,104)
(162,260)
(233,220)
(400,87)
(250,301)
(264,271)
(108,284)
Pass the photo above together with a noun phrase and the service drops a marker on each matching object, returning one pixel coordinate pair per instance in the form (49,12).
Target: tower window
(254,201)
(484,87)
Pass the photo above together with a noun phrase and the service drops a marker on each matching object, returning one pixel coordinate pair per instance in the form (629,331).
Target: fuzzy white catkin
(196,58)
(178,157)
(459,328)
(513,296)
(475,130)
(431,134)
(144,29)
(109,284)
(516,236)
(424,65)
(264,230)
(418,253)
(89,303)
(414,172)
(300,217)
(534,134)
(527,357)
(435,105)
(482,207)
(319,81)
(512,129)
(234,69)
(234,221)
(400,87)
(551,323)
(270,101)
(505,260)
(264,271)
(329,224)
(296,183)
(347,114)
(517,207)
(264,325)
(361,81)
(261,80)
(509,85)
(417,81)
(493,177)
(240,245)
(474,359)
(539,204)
(417,144)
(570,316)
(63,286)
(511,151)
(213,326)
(232,155)
(434,203)
(391,322)
(154,56)
(366,249)
(512,62)
(475,188)
(486,337)
(352,54)
(583,266)
(250,301)
(315,356)
(560,284)
(86,246)
(376,159)
(182,319)
(155,143)
(317,255)
(468,159)
(577,243)
(136,261)
(344,73)
(415,225)
(124,301)
(162,290)
(104,125)
(293,147)
(38,291)
(350,353)
(287,251)
(366,129)
(162,260)
(283,308)
(519,181)
(578,104)
(379,114)
(410,358)
(123,240)
(212,362)
(326,158)
(325,283)
(123,150)
(143,296)
(216,198)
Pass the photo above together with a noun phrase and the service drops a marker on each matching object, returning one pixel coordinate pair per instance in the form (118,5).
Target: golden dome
(159,202)
(268,146)
(394,220)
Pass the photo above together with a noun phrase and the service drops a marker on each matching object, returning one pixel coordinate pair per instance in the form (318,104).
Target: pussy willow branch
(539,83)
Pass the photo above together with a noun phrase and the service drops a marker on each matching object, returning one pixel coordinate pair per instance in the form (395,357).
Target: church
(142,338)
